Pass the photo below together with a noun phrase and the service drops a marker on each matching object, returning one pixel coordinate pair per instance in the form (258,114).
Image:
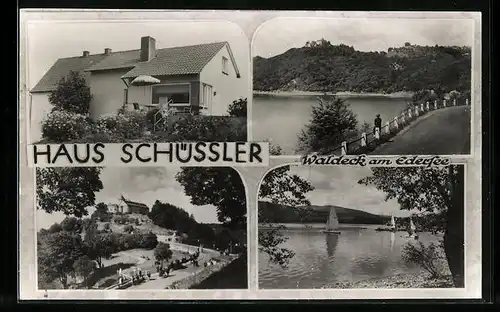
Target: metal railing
(160,118)
(392,127)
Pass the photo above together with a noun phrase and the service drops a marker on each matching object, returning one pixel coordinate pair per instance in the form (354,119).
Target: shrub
(238,108)
(424,256)
(149,241)
(126,125)
(128,229)
(275,149)
(203,128)
(61,126)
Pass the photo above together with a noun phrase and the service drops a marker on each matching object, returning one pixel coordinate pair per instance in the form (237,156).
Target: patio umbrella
(145,80)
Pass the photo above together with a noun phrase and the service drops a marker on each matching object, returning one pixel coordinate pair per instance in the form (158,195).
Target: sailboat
(413,230)
(332,224)
(393,224)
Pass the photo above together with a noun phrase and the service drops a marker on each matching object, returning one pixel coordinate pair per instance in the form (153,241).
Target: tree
(149,241)
(72,224)
(163,252)
(331,123)
(435,191)
(67,189)
(218,186)
(72,94)
(101,213)
(281,188)
(98,245)
(238,108)
(54,228)
(84,267)
(424,256)
(56,255)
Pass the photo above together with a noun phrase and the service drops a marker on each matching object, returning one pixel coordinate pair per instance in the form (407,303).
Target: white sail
(333,222)
(412,226)
(393,222)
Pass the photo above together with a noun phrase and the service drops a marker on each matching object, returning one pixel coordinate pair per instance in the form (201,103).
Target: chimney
(107,51)
(148,48)
(85,53)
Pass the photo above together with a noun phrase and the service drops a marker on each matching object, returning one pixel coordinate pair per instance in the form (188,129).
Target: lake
(280,118)
(358,253)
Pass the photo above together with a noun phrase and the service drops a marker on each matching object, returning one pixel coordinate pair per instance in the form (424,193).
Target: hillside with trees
(321,66)
(315,214)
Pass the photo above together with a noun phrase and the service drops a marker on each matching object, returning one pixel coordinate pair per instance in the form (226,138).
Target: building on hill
(124,205)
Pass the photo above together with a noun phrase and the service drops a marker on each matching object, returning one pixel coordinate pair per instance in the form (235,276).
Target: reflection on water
(322,259)
(331,243)
(267,114)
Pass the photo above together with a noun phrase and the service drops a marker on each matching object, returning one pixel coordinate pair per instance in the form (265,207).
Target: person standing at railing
(378,123)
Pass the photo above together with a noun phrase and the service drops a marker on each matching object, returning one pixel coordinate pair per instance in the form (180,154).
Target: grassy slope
(146,226)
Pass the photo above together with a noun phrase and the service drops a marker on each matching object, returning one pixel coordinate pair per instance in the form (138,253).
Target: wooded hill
(315,214)
(321,66)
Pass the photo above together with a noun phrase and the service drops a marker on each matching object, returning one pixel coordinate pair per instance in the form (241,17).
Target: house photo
(131,69)
(200,75)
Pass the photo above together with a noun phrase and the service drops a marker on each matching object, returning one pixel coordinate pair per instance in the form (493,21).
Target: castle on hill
(124,205)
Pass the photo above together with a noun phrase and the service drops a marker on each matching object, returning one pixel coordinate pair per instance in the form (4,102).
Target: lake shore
(313,226)
(339,94)
(408,280)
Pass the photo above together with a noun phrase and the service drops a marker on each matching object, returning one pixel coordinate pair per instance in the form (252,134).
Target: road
(442,132)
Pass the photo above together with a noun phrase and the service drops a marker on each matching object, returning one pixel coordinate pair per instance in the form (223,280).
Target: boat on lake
(332,225)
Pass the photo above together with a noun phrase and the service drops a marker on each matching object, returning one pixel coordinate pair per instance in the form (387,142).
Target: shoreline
(404,280)
(396,95)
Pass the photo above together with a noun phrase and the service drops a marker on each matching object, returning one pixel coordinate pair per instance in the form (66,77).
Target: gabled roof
(183,60)
(133,203)
(179,61)
(117,60)
(62,67)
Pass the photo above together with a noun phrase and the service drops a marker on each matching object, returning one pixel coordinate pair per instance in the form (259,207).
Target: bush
(60,126)
(424,256)
(203,128)
(128,229)
(149,241)
(126,125)
(238,108)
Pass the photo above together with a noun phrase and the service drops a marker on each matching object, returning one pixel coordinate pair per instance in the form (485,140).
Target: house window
(176,94)
(206,96)
(224,65)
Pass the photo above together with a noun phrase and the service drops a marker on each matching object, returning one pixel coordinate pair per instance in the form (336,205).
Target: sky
(373,34)
(49,41)
(140,184)
(336,185)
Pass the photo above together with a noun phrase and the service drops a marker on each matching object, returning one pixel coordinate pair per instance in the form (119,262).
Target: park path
(158,282)
(443,132)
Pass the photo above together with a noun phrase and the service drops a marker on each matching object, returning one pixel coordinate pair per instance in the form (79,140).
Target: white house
(204,76)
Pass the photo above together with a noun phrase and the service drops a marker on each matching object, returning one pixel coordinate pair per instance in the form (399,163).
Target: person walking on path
(378,123)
